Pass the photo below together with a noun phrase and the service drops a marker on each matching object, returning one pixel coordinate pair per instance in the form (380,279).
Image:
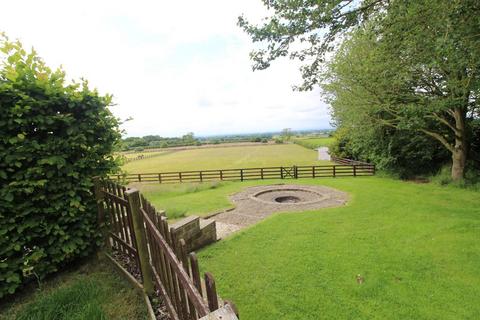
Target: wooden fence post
(281,172)
(354,170)
(133,198)
(334,173)
(211,292)
(241,174)
(295,172)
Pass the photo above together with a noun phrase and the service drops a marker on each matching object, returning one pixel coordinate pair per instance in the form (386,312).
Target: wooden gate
(137,230)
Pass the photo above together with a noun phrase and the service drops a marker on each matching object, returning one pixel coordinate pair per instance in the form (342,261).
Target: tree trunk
(459,154)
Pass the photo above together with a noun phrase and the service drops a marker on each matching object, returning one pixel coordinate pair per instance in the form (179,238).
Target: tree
(419,71)
(286,134)
(423,73)
(188,138)
(306,30)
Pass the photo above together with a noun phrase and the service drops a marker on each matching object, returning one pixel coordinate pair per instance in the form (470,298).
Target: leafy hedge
(54,137)
(401,152)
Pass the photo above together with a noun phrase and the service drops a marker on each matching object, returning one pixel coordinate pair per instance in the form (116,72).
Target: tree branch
(440,138)
(445,122)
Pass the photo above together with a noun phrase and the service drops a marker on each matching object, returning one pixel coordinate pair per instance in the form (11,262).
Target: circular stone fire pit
(289,196)
(256,203)
(287,199)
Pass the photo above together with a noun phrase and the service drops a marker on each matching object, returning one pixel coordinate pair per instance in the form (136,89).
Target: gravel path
(256,203)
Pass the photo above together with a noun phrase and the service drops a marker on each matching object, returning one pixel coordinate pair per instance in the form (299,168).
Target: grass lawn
(314,143)
(416,247)
(92,291)
(180,200)
(226,158)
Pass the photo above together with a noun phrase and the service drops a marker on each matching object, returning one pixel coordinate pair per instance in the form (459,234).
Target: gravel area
(256,203)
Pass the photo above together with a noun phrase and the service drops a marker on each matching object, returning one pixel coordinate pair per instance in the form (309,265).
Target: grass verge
(90,291)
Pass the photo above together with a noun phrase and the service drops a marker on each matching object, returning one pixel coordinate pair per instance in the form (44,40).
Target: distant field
(146,154)
(313,143)
(226,158)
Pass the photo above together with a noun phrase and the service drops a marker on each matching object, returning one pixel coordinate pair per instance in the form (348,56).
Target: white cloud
(173,66)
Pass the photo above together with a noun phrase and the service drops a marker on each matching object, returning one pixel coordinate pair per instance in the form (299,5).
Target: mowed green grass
(92,291)
(185,199)
(226,158)
(314,143)
(417,247)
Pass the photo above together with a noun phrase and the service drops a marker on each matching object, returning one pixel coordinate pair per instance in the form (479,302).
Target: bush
(404,153)
(54,137)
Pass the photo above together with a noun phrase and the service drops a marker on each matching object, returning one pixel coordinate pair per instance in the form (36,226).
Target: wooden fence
(349,162)
(293,172)
(146,156)
(138,231)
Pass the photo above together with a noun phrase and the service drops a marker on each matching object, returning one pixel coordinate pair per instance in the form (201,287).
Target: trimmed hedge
(54,137)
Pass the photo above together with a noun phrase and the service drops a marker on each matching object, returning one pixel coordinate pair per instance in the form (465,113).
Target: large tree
(423,74)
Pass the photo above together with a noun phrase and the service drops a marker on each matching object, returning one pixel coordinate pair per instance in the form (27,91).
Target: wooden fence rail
(288,172)
(138,231)
(348,161)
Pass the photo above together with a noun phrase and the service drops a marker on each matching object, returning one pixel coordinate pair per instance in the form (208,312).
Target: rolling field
(313,143)
(397,250)
(226,158)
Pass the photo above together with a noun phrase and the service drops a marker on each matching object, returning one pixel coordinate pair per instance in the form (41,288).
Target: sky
(172,66)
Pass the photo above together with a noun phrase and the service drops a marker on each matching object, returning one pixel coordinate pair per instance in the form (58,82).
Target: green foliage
(412,65)
(405,75)
(155,141)
(305,30)
(286,134)
(471,181)
(54,137)
(402,152)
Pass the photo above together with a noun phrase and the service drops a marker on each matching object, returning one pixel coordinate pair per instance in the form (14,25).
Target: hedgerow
(54,137)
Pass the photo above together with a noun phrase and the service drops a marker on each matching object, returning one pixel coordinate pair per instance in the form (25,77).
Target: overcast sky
(173,66)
